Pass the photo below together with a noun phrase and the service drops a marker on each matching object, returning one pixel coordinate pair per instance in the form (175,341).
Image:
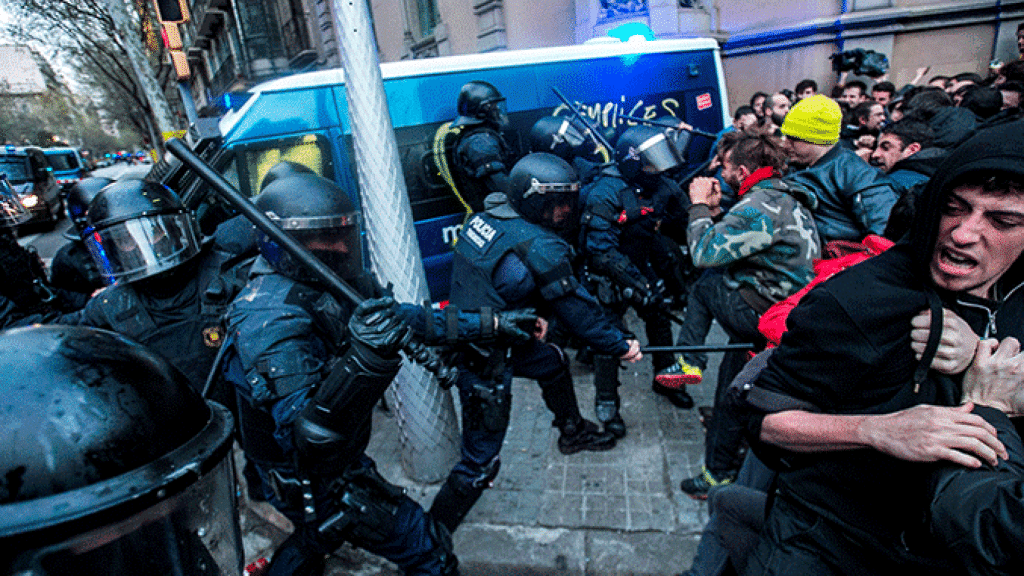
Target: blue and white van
(303,118)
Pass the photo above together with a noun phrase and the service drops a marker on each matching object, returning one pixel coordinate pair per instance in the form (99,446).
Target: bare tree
(84,35)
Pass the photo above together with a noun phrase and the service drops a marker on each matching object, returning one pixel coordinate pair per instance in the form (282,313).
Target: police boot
(606,395)
(577,434)
(458,494)
(583,435)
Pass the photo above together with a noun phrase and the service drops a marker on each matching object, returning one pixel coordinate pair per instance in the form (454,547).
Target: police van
(303,118)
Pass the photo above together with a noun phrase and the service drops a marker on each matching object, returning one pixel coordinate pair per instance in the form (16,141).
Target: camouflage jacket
(767,241)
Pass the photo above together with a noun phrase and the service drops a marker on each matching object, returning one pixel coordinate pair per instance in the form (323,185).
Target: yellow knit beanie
(817,120)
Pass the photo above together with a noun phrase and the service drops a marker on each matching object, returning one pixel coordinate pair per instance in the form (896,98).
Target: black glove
(658,293)
(640,296)
(517,324)
(375,326)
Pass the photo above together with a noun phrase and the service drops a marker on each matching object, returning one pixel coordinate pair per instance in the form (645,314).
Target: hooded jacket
(847,351)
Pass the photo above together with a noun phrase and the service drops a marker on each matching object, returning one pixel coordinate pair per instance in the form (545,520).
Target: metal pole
(426,414)
(698,348)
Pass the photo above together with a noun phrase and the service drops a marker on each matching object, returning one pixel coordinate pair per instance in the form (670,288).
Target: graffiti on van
(608,114)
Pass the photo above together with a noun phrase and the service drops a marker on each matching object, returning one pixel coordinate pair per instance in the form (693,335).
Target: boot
(606,395)
(455,499)
(583,435)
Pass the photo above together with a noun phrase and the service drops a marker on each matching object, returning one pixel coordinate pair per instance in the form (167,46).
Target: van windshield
(63,161)
(16,168)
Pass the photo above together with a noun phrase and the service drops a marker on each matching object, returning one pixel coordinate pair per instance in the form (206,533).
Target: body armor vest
(485,240)
(191,332)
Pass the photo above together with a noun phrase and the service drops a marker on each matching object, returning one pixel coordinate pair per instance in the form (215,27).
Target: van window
(63,161)
(16,168)
(255,160)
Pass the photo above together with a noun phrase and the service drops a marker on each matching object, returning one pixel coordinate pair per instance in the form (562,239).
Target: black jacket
(977,513)
(952,126)
(854,198)
(847,351)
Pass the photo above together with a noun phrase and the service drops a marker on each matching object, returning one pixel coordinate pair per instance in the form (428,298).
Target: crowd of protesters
(873,432)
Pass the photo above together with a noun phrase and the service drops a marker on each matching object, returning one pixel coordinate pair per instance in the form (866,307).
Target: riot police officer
(169,289)
(72,267)
(308,370)
(619,226)
(510,256)
(558,135)
(470,152)
(25,295)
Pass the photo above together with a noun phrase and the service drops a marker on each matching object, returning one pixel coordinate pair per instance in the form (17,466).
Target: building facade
(766,45)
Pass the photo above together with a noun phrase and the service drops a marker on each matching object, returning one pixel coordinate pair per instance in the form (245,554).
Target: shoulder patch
(479,232)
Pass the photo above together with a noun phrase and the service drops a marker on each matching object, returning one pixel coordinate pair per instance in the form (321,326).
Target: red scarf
(762,173)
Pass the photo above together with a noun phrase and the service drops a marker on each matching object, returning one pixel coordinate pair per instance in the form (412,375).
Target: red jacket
(773,322)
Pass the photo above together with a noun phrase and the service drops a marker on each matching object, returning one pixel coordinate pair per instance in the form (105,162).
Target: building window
(427,16)
(856,5)
(619,9)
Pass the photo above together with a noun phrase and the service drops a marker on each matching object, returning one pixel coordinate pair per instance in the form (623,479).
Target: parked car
(68,166)
(32,179)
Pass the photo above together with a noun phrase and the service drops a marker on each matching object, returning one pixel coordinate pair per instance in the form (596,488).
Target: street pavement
(610,513)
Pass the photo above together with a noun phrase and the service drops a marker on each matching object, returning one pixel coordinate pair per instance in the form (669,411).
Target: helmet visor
(497,112)
(659,153)
(333,239)
(568,134)
(143,247)
(559,203)
(11,210)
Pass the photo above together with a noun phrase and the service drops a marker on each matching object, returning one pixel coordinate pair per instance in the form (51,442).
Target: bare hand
(920,73)
(956,347)
(541,331)
(633,355)
(705,190)
(996,378)
(927,433)
(865,142)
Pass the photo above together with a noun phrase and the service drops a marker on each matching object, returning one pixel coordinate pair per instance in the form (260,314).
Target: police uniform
(25,297)
(287,340)
(502,261)
(470,153)
(73,269)
(617,236)
(178,313)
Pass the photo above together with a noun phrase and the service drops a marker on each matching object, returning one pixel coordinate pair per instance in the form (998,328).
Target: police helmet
(646,149)
(544,190)
(113,463)
(480,102)
(282,169)
(320,216)
(140,229)
(77,202)
(557,135)
(13,213)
